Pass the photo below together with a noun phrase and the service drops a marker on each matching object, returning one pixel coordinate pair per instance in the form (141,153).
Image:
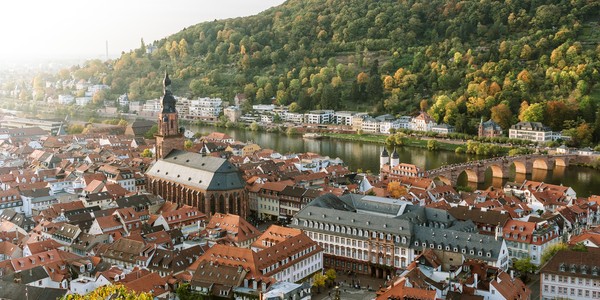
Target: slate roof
(352,219)
(195,170)
(334,202)
(9,290)
(381,205)
(459,239)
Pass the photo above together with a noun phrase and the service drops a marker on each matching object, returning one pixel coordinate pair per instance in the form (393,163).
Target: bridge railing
(503,159)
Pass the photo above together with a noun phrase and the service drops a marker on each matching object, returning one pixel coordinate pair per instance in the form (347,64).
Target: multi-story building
(422,122)
(344,117)
(443,129)
(206,108)
(65,99)
(268,200)
(529,239)
(357,121)
(354,242)
(489,129)
(533,131)
(385,126)
(233,113)
(296,118)
(378,237)
(571,274)
(319,116)
(52,127)
(151,106)
(281,254)
(370,125)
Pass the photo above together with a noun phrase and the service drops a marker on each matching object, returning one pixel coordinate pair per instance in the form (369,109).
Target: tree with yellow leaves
(396,190)
(114,291)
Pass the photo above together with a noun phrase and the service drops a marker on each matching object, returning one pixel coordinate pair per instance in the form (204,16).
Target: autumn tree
(146,153)
(396,189)
(319,281)
(502,115)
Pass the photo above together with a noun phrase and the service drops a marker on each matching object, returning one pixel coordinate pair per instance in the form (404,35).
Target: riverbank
(408,141)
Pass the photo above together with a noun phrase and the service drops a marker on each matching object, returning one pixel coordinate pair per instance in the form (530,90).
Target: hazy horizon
(35,30)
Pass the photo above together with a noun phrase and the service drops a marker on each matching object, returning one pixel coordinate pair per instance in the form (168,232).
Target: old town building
(209,183)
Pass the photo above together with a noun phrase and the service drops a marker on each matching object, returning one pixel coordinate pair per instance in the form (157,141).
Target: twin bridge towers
(500,167)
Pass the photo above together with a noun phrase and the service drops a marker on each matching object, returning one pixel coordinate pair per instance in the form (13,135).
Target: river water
(358,155)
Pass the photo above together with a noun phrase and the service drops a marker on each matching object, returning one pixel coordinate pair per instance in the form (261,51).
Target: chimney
(512,275)
(475,280)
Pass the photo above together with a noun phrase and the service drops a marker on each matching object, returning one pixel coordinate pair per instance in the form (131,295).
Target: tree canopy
(469,59)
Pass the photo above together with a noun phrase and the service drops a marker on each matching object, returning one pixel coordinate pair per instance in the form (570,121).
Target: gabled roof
(237,228)
(193,169)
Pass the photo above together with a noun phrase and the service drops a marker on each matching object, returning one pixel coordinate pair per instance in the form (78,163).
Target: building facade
(571,275)
(533,131)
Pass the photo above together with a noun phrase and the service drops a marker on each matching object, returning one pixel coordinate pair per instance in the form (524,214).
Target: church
(211,184)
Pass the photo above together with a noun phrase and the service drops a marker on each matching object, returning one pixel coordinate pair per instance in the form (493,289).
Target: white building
(405,122)
(123,100)
(571,275)
(206,107)
(319,116)
(371,125)
(296,118)
(442,129)
(152,106)
(533,131)
(263,108)
(422,122)
(385,126)
(529,239)
(66,99)
(344,117)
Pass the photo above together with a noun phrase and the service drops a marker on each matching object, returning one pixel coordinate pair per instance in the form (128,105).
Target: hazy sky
(39,29)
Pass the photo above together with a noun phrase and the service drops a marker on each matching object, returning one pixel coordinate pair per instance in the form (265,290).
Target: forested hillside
(509,60)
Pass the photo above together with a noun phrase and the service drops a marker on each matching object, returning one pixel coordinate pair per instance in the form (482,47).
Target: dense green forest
(461,61)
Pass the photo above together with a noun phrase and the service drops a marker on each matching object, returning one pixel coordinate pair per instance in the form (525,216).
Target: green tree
(524,265)
(291,131)
(432,145)
(146,153)
(319,281)
(151,132)
(331,275)
(254,126)
(550,251)
(75,129)
(188,144)
(374,84)
(534,113)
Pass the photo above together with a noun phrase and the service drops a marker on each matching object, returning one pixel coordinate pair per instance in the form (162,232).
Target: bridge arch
(497,171)
(541,163)
(444,179)
(471,175)
(561,161)
(520,167)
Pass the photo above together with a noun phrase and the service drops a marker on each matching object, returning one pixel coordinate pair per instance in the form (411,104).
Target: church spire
(169,136)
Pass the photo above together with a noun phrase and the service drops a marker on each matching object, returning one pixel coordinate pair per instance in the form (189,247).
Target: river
(358,155)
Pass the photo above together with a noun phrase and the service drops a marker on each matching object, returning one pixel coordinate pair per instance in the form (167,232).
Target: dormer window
(562,267)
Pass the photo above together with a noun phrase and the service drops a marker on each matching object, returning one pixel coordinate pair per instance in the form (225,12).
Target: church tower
(169,136)
(384,158)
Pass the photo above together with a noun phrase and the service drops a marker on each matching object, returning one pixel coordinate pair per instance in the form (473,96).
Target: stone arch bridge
(500,167)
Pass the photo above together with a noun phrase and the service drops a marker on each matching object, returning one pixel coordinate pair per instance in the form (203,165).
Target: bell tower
(169,136)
